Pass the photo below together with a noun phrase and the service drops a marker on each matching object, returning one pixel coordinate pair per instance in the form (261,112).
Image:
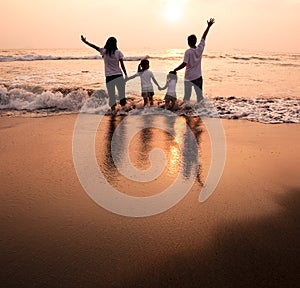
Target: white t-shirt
(146,77)
(192,58)
(111,63)
(171,91)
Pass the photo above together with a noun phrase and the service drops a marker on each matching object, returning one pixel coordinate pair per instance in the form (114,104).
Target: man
(192,62)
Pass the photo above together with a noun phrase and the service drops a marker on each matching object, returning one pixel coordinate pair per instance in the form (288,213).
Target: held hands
(210,22)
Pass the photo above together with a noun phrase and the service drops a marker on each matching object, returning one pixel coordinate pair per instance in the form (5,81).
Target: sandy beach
(245,235)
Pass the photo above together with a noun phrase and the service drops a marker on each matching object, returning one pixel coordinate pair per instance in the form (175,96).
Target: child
(171,91)
(146,76)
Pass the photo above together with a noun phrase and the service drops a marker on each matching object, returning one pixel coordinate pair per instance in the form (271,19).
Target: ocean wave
(32,57)
(226,56)
(21,100)
(163,57)
(248,58)
(263,110)
(289,64)
(29,100)
(136,58)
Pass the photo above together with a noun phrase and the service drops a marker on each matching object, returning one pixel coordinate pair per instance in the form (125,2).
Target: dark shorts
(170,98)
(147,94)
(113,77)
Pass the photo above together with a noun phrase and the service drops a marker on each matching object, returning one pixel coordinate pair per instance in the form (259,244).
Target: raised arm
(209,24)
(83,39)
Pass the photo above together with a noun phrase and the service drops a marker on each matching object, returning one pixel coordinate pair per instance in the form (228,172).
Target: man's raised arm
(209,24)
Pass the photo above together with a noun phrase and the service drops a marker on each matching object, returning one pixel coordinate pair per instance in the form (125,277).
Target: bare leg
(145,101)
(151,100)
(167,102)
(172,104)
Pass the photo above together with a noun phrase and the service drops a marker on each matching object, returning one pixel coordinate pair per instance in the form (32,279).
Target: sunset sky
(260,25)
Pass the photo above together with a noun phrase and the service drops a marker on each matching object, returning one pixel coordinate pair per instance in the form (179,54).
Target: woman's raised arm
(83,39)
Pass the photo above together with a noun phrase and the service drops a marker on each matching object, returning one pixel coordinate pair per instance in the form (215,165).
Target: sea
(255,86)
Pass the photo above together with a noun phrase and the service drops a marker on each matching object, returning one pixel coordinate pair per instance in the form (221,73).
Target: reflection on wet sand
(172,138)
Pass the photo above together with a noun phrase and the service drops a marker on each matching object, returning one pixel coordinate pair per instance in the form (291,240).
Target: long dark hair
(143,65)
(111,46)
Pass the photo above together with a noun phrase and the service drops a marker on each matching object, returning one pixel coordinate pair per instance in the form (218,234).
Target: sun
(172,14)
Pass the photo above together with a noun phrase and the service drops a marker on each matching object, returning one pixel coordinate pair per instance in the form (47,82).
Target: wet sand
(245,235)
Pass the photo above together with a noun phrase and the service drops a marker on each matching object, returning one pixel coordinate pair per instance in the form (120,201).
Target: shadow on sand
(116,252)
(260,253)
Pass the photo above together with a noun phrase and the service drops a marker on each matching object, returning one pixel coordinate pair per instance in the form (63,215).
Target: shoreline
(265,111)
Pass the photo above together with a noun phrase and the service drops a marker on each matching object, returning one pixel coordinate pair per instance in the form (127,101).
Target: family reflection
(145,143)
(105,160)
(177,137)
(190,153)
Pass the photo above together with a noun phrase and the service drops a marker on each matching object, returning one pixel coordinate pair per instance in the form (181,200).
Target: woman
(113,59)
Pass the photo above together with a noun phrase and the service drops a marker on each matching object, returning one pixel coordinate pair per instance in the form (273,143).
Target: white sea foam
(264,110)
(20,99)
(273,110)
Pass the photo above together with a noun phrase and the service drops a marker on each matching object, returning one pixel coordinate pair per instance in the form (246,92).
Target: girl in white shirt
(113,59)
(146,85)
(170,97)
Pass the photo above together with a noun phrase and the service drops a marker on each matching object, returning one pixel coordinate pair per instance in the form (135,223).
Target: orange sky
(270,25)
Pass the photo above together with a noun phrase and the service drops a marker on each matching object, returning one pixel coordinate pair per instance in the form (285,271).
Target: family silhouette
(116,74)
